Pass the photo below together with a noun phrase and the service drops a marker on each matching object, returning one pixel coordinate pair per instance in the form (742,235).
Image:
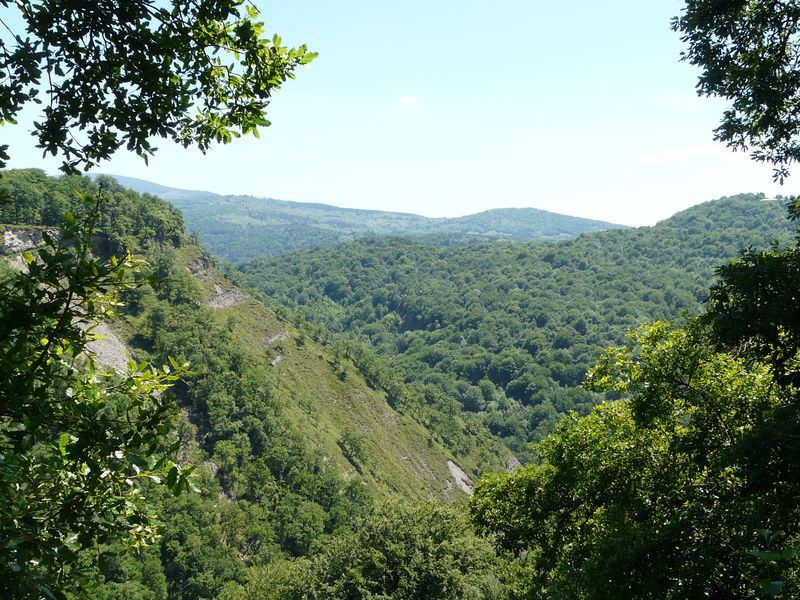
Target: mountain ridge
(238,228)
(144,186)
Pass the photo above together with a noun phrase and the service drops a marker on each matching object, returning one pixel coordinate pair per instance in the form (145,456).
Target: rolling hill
(238,228)
(508,331)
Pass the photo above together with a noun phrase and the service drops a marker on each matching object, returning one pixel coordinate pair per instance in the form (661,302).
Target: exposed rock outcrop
(225,299)
(462,479)
(19,239)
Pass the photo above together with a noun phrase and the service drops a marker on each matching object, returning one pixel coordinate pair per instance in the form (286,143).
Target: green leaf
(172,479)
(63,442)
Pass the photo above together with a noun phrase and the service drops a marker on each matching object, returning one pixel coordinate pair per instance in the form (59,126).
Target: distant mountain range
(239,228)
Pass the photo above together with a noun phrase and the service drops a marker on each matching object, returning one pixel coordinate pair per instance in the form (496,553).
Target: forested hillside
(166,435)
(508,329)
(291,446)
(237,228)
(298,436)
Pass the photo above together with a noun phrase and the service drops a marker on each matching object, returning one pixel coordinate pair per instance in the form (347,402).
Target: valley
(334,386)
(505,333)
(225,396)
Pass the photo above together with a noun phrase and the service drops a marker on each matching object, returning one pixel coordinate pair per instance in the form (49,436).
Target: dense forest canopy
(509,330)
(30,197)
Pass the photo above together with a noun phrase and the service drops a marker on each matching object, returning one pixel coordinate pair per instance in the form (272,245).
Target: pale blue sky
(446,108)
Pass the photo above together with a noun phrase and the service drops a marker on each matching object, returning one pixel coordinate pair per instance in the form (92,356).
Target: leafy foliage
(677,476)
(755,305)
(400,551)
(694,471)
(113,76)
(748,53)
(76,443)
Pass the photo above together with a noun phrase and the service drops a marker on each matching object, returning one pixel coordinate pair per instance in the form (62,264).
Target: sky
(447,108)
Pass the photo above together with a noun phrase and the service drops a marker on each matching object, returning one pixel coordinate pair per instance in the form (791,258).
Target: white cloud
(408,100)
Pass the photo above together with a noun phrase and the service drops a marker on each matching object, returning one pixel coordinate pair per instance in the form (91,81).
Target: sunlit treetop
(749,53)
(110,74)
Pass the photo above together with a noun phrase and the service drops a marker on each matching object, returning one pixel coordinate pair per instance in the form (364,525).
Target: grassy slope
(402,459)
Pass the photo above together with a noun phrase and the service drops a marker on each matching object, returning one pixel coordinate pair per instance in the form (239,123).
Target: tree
(755,306)
(352,445)
(76,442)
(116,74)
(749,53)
(79,445)
(399,551)
(666,493)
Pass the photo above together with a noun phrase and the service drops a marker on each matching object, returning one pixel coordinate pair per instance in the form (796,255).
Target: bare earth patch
(462,479)
(109,350)
(225,299)
(281,336)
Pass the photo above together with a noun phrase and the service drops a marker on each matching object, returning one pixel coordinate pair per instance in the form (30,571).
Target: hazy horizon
(450,109)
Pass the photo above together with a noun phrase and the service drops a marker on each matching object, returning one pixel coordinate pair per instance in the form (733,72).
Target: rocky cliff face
(107,348)
(19,239)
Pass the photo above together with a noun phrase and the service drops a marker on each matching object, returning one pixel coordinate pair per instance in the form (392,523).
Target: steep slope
(292,445)
(237,228)
(328,399)
(509,330)
(324,395)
